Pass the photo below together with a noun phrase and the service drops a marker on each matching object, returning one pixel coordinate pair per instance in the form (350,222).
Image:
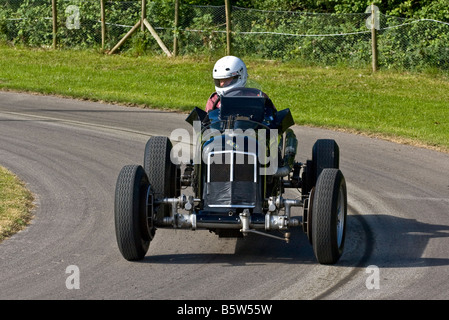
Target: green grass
(16,203)
(407,107)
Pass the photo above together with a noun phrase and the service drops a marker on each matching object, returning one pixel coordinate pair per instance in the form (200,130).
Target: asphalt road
(70,152)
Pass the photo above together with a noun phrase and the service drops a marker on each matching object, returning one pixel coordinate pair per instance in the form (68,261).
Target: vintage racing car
(244,160)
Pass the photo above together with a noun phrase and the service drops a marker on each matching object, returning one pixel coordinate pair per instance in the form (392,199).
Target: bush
(316,38)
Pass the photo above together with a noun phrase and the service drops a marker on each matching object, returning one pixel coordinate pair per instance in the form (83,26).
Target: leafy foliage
(329,33)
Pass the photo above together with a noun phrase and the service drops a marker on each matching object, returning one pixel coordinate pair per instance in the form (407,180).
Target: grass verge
(407,107)
(16,203)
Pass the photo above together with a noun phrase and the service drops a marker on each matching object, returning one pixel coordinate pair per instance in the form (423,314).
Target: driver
(229,72)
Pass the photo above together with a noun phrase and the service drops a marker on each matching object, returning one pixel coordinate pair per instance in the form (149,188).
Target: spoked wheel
(307,215)
(329,216)
(134,227)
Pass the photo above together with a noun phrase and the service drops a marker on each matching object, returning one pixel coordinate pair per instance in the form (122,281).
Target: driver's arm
(211,102)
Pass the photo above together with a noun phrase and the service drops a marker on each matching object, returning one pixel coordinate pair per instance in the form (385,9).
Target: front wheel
(132,219)
(329,216)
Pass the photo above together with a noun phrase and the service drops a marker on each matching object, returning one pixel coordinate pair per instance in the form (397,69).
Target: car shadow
(396,242)
(381,240)
(252,249)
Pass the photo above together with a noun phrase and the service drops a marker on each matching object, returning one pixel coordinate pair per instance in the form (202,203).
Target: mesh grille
(231,165)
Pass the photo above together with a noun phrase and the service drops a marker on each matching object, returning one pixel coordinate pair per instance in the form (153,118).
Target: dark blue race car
(242,164)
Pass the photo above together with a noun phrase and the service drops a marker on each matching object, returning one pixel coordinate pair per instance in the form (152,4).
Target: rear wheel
(325,154)
(133,223)
(329,216)
(161,172)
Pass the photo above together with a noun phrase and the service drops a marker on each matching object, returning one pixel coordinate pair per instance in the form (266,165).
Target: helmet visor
(226,82)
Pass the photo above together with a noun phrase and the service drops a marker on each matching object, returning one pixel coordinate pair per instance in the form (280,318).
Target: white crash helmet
(233,70)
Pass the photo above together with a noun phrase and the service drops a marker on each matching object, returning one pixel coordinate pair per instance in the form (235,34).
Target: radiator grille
(231,165)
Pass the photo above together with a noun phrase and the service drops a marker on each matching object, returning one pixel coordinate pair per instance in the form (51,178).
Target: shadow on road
(252,249)
(381,240)
(396,242)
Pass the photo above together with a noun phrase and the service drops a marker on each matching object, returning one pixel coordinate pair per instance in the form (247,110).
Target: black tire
(325,154)
(329,216)
(131,223)
(161,171)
